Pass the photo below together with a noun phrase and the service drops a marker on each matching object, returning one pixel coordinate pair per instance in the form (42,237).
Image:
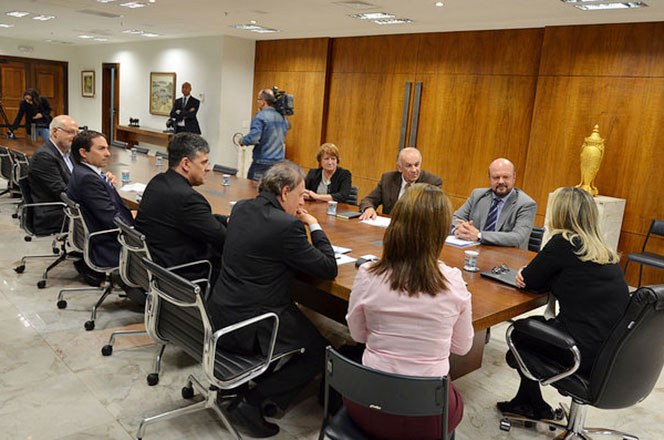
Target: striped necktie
(492,218)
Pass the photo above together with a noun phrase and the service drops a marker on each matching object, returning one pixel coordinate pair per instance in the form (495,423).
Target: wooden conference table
(492,302)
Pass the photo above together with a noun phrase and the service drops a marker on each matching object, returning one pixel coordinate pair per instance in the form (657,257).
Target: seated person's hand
(305,217)
(307,195)
(368,214)
(521,284)
(466,231)
(111,178)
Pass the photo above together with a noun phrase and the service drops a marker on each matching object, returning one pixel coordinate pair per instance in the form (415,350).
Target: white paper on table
(340,249)
(136,187)
(343,259)
(383,222)
(460,242)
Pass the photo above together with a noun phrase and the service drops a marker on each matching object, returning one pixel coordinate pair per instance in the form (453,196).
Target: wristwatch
(479,236)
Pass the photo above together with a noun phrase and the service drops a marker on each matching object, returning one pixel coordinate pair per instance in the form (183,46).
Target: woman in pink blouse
(411,310)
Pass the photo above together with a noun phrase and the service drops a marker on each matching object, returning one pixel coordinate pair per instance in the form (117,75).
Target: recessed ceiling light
(597,5)
(393,21)
(100,39)
(358,5)
(372,16)
(439,4)
(105,1)
(18,14)
(254,28)
(44,17)
(150,34)
(86,37)
(133,31)
(133,5)
(252,21)
(6,26)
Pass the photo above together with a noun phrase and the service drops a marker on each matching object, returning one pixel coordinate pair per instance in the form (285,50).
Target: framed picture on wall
(162,92)
(88,83)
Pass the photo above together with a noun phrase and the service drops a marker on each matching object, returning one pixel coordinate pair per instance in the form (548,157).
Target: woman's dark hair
(32,93)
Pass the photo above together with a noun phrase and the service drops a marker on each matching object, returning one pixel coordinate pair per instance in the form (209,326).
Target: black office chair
(161,154)
(224,169)
(381,391)
(141,150)
(11,191)
(535,240)
(352,197)
(80,239)
(625,372)
(648,258)
(177,313)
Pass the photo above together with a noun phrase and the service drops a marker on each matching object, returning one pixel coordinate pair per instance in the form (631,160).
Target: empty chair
(225,169)
(352,197)
(176,311)
(381,391)
(79,238)
(535,240)
(625,371)
(6,171)
(141,150)
(648,258)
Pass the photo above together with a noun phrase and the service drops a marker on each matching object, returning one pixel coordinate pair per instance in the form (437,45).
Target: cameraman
(267,133)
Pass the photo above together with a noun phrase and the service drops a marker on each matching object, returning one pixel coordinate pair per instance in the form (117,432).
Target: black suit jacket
(100,204)
(178,223)
(387,191)
(48,176)
(187,114)
(265,249)
(340,183)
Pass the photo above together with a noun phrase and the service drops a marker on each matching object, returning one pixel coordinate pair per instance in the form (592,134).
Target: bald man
(500,215)
(184,112)
(392,184)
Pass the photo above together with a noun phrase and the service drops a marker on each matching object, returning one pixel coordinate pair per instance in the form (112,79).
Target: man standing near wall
(267,133)
(184,112)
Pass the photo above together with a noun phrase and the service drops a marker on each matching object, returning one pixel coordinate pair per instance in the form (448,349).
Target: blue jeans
(256,170)
(44,132)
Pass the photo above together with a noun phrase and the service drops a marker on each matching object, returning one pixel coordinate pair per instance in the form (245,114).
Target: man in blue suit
(93,190)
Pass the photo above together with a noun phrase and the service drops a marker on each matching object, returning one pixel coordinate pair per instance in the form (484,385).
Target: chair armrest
(105,231)
(88,245)
(192,264)
(548,334)
(41,204)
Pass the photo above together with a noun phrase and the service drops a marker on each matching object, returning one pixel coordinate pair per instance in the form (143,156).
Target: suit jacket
(178,223)
(514,224)
(386,193)
(265,249)
(340,183)
(100,204)
(186,114)
(48,176)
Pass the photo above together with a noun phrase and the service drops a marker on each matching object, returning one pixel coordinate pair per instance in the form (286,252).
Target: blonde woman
(329,181)
(584,275)
(411,310)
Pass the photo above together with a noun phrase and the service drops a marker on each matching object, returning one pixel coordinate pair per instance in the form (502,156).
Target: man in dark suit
(266,247)
(176,219)
(100,202)
(49,173)
(392,184)
(501,215)
(184,112)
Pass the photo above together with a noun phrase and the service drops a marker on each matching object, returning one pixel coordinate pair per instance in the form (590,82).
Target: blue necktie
(492,218)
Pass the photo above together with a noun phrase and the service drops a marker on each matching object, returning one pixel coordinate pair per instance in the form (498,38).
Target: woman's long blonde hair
(575,216)
(421,221)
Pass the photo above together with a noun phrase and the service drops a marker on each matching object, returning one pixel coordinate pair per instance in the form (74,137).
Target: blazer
(100,203)
(178,223)
(514,224)
(48,176)
(386,193)
(340,183)
(188,115)
(265,249)
(43,107)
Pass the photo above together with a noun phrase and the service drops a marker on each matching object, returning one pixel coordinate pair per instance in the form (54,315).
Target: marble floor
(57,385)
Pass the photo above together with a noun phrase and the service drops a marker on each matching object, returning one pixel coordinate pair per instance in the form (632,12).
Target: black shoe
(517,409)
(249,419)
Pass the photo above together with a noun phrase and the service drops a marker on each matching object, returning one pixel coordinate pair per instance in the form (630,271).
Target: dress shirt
(66,157)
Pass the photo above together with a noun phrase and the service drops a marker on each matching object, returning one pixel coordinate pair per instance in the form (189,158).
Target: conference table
(492,302)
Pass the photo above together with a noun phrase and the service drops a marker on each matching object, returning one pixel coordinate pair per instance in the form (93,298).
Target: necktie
(184,102)
(493,216)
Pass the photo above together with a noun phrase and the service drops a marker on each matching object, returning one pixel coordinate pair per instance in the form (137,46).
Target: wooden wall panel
(633,49)
(385,54)
(299,55)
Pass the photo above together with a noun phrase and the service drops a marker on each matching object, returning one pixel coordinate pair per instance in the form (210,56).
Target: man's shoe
(516,409)
(248,419)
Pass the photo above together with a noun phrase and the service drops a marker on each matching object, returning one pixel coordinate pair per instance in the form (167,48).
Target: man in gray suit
(500,215)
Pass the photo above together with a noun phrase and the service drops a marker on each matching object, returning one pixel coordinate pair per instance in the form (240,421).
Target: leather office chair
(224,169)
(141,150)
(80,239)
(176,312)
(387,392)
(535,240)
(6,170)
(648,258)
(352,197)
(625,372)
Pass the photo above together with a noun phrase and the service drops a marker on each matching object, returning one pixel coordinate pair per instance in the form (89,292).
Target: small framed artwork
(162,92)
(88,83)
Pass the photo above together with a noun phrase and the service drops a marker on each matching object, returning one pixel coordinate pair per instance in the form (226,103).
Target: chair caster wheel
(56,251)
(153,379)
(187,392)
(107,350)
(505,425)
(14,215)
(89,325)
(62,304)
(41,284)
(27,238)
(19,269)
(551,428)
(558,414)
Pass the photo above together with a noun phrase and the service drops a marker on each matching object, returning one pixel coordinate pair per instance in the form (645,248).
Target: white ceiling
(293,18)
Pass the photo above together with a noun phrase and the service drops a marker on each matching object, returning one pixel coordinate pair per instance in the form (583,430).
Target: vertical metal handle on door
(416,114)
(404,115)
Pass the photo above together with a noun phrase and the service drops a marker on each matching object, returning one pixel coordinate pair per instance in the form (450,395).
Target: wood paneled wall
(530,95)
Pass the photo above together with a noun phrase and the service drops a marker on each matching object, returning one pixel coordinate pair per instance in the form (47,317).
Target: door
(110,99)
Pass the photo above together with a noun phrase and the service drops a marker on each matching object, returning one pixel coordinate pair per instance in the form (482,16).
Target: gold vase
(592,152)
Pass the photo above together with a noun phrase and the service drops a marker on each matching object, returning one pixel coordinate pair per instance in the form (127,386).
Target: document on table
(136,187)
(460,242)
(383,222)
(343,259)
(340,249)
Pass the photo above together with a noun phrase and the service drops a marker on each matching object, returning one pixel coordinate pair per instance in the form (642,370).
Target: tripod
(10,132)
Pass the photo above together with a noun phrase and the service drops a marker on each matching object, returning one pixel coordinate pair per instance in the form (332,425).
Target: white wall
(219,68)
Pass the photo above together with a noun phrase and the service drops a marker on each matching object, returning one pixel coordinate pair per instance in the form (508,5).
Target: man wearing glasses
(49,173)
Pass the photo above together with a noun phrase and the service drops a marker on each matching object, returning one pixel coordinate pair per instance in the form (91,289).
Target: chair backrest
(27,212)
(134,249)
(224,169)
(535,240)
(630,362)
(21,165)
(161,154)
(656,228)
(78,230)
(141,150)
(352,197)
(6,164)
(386,392)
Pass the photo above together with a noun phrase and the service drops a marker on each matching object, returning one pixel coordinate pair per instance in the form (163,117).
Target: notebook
(348,214)
(508,277)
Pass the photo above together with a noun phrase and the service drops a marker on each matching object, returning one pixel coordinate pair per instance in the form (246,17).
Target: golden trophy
(592,152)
